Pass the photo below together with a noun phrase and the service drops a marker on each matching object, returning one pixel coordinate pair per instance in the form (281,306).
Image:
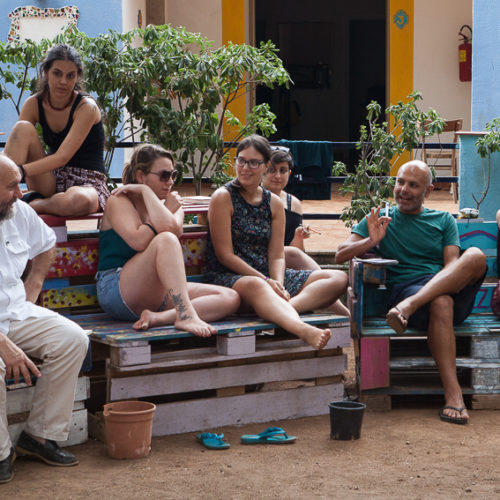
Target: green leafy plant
(18,69)
(175,88)
(380,145)
(485,147)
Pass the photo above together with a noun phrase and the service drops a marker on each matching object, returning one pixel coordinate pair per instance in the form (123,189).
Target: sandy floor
(401,454)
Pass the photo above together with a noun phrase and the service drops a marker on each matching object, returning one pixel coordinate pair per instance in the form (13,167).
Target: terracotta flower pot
(129,426)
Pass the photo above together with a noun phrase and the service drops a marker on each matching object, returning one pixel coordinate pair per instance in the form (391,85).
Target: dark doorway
(335,51)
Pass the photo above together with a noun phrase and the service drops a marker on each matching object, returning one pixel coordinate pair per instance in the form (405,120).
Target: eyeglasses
(253,163)
(166,175)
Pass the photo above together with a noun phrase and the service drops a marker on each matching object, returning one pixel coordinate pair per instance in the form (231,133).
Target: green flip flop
(272,435)
(212,441)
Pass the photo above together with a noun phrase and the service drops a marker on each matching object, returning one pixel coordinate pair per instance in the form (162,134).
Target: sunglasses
(280,148)
(253,163)
(166,175)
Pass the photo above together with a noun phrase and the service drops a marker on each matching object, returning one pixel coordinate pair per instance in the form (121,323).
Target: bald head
(419,168)
(413,185)
(9,186)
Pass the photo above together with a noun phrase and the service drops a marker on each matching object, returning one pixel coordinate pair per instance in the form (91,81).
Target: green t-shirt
(416,241)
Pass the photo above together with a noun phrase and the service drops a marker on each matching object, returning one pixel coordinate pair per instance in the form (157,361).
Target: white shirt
(22,237)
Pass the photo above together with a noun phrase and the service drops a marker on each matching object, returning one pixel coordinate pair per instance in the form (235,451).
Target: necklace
(59,109)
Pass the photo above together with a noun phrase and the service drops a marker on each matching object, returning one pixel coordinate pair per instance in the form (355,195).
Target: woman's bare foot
(316,337)
(195,325)
(147,319)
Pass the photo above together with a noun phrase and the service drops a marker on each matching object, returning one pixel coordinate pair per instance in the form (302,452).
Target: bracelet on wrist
(266,278)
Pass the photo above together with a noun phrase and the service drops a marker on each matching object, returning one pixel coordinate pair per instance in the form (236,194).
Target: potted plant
(380,146)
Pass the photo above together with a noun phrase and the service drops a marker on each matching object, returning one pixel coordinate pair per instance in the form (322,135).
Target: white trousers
(61,345)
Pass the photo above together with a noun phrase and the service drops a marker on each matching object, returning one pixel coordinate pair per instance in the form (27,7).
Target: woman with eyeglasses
(141,275)
(275,180)
(245,250)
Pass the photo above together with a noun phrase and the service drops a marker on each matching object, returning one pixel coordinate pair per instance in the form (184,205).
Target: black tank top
(90,155)
(292,220)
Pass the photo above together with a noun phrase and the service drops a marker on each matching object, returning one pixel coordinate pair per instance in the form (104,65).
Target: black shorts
(463,301)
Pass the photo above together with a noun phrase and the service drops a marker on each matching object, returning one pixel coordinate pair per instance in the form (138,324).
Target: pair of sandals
(272,435)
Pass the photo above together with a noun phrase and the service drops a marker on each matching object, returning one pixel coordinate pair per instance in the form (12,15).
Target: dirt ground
(401,454)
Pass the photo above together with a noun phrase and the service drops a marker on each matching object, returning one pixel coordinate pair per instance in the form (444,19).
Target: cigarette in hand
(387,209)
(309,229)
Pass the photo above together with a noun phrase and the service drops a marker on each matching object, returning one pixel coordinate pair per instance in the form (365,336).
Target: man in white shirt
(27,329)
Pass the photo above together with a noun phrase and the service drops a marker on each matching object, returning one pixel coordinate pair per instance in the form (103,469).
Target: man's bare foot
(195,325)
(316,337)
(454,411)
(397,320)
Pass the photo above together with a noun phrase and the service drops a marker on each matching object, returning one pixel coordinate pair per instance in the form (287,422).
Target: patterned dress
(250,233)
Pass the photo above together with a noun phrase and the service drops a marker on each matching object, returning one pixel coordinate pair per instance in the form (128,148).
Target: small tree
(18,69)
(371,184)
(486,146)
(195,86)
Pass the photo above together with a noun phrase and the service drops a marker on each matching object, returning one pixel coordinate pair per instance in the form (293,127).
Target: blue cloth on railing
(313,162)
(308,153)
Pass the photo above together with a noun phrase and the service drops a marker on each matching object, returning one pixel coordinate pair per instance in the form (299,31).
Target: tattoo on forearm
(179,305)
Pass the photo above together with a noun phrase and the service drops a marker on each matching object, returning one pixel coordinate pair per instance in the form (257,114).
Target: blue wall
(485,63)
(95,17)
(471,178)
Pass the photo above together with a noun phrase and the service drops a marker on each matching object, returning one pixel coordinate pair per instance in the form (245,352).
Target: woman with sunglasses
(275,180)
(245,250)
(141,275)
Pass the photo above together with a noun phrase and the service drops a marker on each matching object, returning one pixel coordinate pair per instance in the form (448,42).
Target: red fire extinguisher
(465,55)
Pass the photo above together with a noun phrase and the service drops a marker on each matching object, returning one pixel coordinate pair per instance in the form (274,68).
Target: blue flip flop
(272,435)
(212,441)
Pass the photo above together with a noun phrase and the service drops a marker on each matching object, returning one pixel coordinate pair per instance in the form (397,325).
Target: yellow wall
(400,57)
(233,30)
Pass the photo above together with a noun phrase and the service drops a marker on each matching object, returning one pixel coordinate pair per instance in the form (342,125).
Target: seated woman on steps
(141,275)
(70,180)
(245,250)
(275,180)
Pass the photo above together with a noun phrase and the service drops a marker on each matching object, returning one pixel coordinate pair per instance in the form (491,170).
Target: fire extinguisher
(465,55)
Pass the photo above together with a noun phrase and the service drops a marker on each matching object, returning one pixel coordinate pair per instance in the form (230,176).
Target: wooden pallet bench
(392,365)
(245,373)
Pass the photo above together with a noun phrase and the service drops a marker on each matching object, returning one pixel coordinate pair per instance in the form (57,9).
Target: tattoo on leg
(179,305)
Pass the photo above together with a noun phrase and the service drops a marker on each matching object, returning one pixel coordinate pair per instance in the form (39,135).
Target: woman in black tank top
(276,179)
(70,180)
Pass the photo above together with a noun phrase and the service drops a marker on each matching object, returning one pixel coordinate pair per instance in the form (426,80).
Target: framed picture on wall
(35,23)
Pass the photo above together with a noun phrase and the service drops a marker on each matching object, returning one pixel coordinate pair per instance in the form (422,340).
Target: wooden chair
(446,159)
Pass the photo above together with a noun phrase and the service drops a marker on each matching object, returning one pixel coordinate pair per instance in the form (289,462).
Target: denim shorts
(463,301)
(110,297)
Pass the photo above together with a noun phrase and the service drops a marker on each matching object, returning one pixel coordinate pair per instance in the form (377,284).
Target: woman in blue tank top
(70,180)
(141,275)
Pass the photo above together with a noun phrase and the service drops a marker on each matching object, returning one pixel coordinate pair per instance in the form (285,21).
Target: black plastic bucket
(346,418)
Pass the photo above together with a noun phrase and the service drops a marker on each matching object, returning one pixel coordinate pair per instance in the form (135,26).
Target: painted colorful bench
(244,374)
(401,365)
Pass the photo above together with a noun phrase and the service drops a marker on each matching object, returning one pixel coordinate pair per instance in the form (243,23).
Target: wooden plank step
(113,332)
(132,359)
(210,413)
(223,377)
(405,362)
(475,325)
